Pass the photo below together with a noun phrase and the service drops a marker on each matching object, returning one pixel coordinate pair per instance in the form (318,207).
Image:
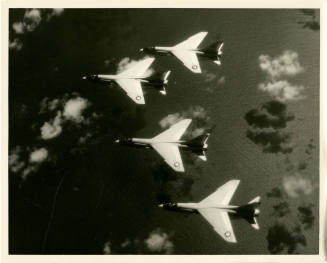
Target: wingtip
(203,158)
(256,227)
(185,120)
(179,169)
(139,100)
(196,71)
(217,62)
(236,181)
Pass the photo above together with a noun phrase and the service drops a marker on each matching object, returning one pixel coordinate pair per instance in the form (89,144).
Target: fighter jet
(217,210)
(131,79)
(188,51)
(167,144)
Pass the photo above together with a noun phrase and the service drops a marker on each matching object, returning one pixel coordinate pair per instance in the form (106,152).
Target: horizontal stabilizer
(203,156)
(218,62)
(255,225)
(255,200)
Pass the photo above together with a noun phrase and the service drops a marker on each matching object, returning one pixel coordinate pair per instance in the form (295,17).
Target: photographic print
(163,131)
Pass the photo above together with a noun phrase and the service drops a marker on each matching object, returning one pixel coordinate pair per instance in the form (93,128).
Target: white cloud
(32,19)
(15,164)
(297,185)
(107,248)
(53,128)
(25,168)
(74,108)
(199,116)
(221,80)
(193,112)
(55,12)
(28,170)
(277,69)
(197,132)
(67,110)
(215,82)
(18,27)
(16,44)
(107,62)
(208,76)
(286,64)
(159,242)
(127,63)
(85,138)
(126,243)
(50,105)
(282,90)
(39,155)
(170,119)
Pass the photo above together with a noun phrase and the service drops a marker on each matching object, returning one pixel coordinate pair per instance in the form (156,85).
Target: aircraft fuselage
(147,82)
(146,143)
(111,78)
(244,211)
(167,51)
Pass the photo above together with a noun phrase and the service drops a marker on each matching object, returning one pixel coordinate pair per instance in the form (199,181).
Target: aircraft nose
(161,205)
(117,141)
(141,50)
(84,77)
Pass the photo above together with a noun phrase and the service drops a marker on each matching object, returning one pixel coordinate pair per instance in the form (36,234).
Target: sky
(72,190)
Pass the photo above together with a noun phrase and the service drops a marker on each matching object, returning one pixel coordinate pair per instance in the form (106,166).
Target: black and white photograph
(164,131)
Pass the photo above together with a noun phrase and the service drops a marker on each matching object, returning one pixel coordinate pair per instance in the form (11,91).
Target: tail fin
(214,51)
(160,77)
(215,47)
(160,80)
(199,145)
(255,224)
(254,203)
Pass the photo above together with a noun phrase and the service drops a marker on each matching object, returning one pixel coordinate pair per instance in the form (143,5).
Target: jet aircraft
(132,79)
(188,51)
(167,144)
(217,211)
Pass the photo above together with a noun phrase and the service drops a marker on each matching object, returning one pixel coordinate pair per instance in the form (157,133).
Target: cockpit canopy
(92,77)
(149,50)
(125,140)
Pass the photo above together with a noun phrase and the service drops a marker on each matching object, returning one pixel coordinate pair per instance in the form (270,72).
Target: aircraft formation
(215,208)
